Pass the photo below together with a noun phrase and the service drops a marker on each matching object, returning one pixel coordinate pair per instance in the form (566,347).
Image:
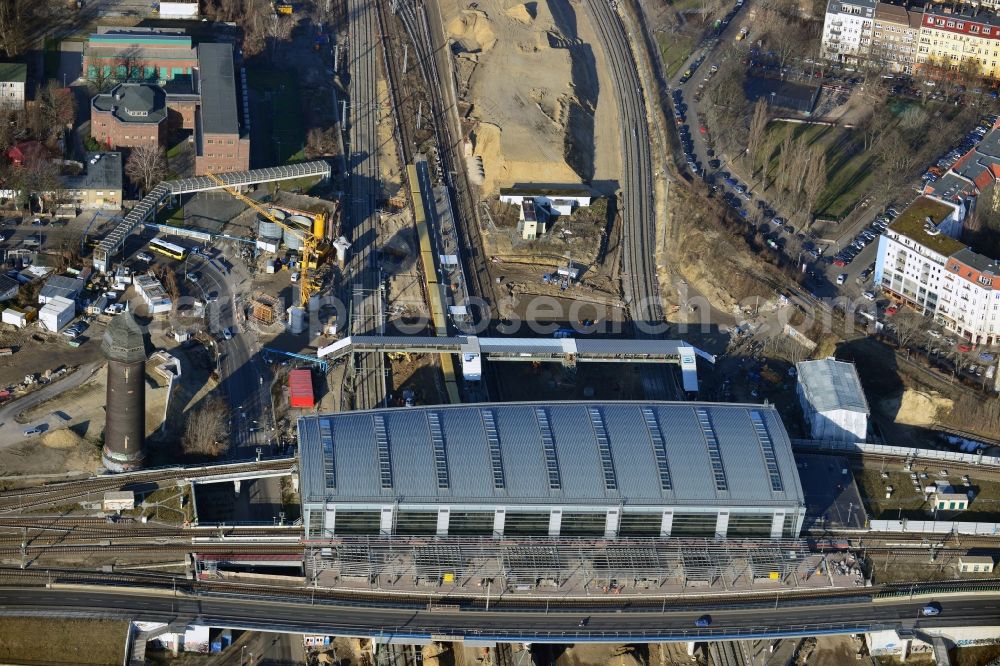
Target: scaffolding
(537,564)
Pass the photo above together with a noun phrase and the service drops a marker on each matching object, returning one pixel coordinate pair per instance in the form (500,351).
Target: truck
(284,8)
(744,31)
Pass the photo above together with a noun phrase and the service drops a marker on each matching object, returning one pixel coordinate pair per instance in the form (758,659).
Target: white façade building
(920,263)
(832,400)
(847,29)
(913,251)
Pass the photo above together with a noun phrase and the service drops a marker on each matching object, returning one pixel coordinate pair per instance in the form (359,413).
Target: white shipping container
(15,318)
(57,313)
(178,10)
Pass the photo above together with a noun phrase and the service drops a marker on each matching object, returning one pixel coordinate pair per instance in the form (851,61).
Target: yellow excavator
(310,242)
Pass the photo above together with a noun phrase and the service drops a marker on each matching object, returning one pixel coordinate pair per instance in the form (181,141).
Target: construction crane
(310,242)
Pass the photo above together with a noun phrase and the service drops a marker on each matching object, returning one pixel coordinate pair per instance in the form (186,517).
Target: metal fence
(935,527)
(899,451)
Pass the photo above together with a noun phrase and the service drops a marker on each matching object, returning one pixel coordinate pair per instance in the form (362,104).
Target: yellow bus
(167,249)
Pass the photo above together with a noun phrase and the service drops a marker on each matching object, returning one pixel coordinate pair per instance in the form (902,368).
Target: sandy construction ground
(539,91)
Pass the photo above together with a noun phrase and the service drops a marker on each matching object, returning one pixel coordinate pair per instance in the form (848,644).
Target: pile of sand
(531,75)
(472,31)
(915,408)
(61,439)
(524,13)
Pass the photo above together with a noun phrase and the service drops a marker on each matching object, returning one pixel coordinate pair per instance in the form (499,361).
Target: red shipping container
(300,388)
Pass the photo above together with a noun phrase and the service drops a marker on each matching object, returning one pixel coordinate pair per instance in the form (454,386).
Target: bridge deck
(147,207)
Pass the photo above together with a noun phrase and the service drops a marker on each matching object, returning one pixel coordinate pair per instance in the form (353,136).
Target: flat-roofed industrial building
(569,469)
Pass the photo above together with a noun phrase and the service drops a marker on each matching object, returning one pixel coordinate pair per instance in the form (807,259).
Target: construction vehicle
(310,241)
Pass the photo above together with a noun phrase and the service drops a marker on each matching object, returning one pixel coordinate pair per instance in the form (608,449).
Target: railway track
(410,23)
(366,298)
(415,22)
(640,284)
(13,576)
(54,494)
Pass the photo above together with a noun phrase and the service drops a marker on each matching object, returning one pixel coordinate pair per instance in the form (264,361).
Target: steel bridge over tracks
(565,350)
(146,209)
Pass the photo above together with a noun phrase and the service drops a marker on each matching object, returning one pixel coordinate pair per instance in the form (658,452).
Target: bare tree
(36,179)
(799,164)
(6,131)
(145,167)
(14,17)
(758,128)
(907,325)
(207,430)
(320,142)
(784,162)
(58,107)
(815,180)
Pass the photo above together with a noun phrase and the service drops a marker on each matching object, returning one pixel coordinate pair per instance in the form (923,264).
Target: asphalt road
(305,617)
(244,374)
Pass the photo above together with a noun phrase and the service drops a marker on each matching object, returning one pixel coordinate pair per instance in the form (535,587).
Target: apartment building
(895,36)
(971,287)
(958,37)
(847,29)
(13,76)
(921,263)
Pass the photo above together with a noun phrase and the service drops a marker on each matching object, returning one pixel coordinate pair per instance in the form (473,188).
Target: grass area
(172,216)
(41,640)
(302,185)
(975,655)
(685,5)
(675,50)
(175,150)
(907,503)
(279,107)
(849,170)
(164,505)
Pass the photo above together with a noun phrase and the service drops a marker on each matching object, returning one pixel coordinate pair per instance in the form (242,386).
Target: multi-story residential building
(847,29)
(971,287)
(13,76)
(132,115)
(962,37)
(894,37)
(921,263)
(913,251)
(199,84)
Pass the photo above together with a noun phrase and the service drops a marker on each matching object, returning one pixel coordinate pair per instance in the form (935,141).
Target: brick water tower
(125,427)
